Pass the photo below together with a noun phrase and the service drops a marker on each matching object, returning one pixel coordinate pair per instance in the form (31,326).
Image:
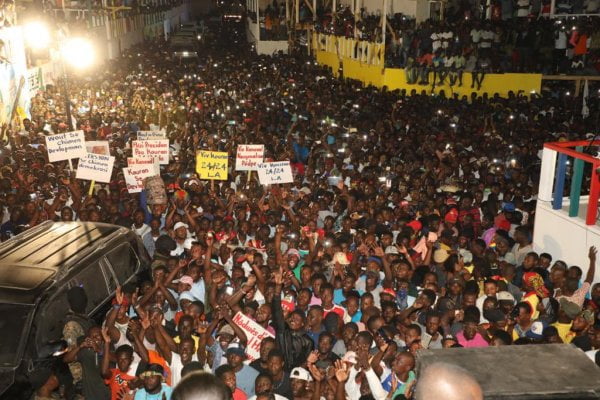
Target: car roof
(31,260)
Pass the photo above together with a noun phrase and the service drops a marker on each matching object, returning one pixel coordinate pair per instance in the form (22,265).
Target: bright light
(36,35)
(78,52)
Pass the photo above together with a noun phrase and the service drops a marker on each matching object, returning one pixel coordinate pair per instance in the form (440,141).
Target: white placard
(151,135)
(65,146)
(98,147)
(134,176)
(275,172)
(148,162)
(158,149)
(95,167)
(249,156)
(254,333)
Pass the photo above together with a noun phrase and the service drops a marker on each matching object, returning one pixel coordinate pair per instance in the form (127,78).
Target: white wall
(270,46)
(565,238)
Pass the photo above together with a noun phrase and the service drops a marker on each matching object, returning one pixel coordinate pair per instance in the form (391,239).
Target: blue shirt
(143,395)
(245,378)
(301,152)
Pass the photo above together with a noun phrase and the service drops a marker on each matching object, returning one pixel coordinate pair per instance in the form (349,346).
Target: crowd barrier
(364,61)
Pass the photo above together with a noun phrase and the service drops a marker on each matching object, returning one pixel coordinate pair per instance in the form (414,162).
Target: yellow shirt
(563,331)
(176,339)
(533,301)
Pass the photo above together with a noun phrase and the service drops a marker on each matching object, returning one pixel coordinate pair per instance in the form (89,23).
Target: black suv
(37,268)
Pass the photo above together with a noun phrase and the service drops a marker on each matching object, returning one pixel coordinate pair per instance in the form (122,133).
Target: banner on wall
(13,67)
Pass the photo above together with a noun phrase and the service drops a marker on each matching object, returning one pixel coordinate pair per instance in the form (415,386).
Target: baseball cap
(449,337)
(186,279)
(570,308)
(226,330)
(300,373)
(180,225)
(506,296)
(236,348)
(293,252)
(391,250)
(536,331)
(341,258)
(415,225)
(440,255)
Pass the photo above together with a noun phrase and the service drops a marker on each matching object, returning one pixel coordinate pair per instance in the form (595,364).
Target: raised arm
(589,277)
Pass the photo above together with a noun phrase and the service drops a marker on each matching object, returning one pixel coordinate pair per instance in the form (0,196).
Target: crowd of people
(506,42)
(408,226)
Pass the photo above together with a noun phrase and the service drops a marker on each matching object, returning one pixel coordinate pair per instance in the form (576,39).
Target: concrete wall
(565,238)
(271,46)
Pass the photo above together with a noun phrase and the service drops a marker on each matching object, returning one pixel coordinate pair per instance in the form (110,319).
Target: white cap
(300,373)
(180,225)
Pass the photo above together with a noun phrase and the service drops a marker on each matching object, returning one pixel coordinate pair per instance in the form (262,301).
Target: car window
(92,280)
(54,317)
(124,262)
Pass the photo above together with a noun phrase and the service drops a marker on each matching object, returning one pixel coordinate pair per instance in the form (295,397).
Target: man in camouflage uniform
(76,326)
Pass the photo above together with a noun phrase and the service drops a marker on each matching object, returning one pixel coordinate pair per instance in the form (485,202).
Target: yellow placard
(212,165)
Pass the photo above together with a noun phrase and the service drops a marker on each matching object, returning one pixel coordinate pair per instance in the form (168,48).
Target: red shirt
(118,383)
(335,309)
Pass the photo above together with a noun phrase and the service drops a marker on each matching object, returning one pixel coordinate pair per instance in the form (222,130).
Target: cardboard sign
(98,147)
(212,165)
(158,149)
(249,156)
(148,162)
(151,135)
(135,174)
(95,167)
(254,332)
(65,146)
(275,172)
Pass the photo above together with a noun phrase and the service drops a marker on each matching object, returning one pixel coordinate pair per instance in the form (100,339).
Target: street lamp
(77,52)
(36,35)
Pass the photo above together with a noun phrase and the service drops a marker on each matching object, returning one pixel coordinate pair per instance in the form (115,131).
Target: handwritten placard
(95,167)
(151,135)
(135,174)
(254,333)
(249,156)
(158,149)
(275,172)
(148,162)
(65,146)
(212,165)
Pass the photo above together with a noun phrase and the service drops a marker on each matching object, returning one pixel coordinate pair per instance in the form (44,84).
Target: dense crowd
(506,42)
(408,226)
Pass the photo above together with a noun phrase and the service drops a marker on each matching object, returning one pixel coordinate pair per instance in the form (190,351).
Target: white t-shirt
(486,39)
(141,231)
(523,8)
(176,367)
(475,35)
(436,41)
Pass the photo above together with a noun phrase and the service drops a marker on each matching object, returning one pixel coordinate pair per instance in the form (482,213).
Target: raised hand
(592,254)
(105,335)
(316,373)
(119,295)
(341,371)
(313,357)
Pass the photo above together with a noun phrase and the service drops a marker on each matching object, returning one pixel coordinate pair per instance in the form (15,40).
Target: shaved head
(448,382)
